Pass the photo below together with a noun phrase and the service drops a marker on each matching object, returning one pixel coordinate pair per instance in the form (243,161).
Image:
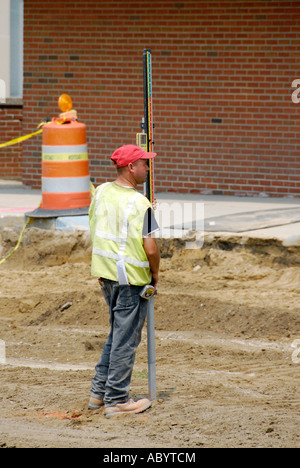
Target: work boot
(95,403)
(130,407)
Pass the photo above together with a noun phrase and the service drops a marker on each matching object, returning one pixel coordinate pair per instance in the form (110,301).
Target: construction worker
(125,258)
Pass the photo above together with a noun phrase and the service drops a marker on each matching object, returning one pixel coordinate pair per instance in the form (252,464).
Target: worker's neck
(124,181)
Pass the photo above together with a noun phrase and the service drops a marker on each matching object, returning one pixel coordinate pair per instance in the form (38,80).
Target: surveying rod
(145,141)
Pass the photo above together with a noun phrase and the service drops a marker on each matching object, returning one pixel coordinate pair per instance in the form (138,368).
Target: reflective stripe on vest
(100,189)
(132,261)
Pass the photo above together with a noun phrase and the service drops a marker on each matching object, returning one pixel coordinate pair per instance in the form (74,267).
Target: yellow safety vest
(116,222)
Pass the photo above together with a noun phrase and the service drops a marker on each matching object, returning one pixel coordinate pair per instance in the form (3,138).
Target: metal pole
(151,350)
(148,128)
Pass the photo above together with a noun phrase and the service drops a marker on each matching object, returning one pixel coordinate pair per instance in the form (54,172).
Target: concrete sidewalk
(250,217)
(257,217)
(16,199)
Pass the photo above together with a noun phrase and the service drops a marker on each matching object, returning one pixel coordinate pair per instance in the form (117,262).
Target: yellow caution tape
(45,157)
(15,141)
(30,220)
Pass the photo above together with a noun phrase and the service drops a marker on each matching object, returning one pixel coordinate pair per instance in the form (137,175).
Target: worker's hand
(154,204)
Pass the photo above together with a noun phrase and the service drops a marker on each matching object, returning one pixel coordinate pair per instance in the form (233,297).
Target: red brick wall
(222,75)
(10,128)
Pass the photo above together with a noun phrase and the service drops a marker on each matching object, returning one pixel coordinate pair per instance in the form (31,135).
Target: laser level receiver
(147,291)
(141,141)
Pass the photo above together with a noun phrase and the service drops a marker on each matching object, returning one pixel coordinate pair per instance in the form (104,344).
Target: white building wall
(5,47)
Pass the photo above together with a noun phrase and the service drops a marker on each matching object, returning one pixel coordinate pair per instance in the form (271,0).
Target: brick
(221,89)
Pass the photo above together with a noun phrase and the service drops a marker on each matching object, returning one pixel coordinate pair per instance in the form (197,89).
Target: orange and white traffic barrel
(65,166)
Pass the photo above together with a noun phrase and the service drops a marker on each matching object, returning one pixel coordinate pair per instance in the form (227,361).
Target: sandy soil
(227,317)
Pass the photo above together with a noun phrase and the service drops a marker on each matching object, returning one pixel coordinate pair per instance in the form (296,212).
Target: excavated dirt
(227,325)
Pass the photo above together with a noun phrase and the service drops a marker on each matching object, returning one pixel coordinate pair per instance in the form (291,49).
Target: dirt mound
(249,289)
(226,318)
(41,247)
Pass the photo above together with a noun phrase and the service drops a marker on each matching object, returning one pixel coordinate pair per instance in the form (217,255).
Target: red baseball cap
(128,154)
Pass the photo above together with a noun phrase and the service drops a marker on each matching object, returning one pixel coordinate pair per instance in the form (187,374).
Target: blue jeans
(127,317)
